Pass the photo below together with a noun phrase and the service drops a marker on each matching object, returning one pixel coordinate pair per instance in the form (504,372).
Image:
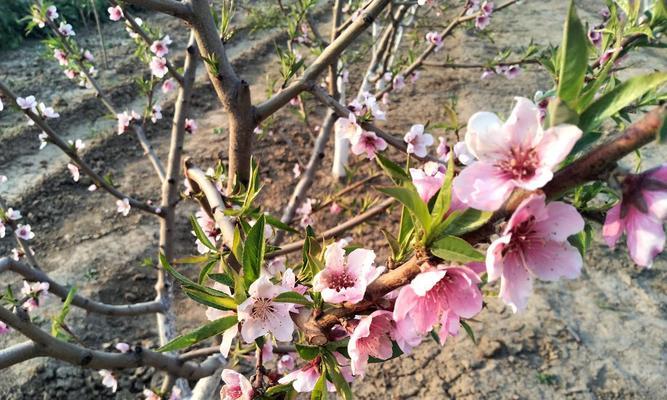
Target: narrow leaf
(254,251)
(205,332)
(452,248)
(199,233)
(410,199)
(293,297)
(573,57)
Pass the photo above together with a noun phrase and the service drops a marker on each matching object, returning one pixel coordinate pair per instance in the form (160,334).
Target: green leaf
(560,113)
(308,353)
(59,320)
(621,96)
(444,199)
(225,279)
(393,170)
(276,223)
(273,390)
(219,302)
(211,329)
(582,240)
(410,199)
(293,297)
(406,228)
(469,331)
(573,58)
(662,131)
(199,233)
(468,221)
(254,251)
(320,391)
(204,271)
(452,248)
(393,243)
(191,259)
(237,245)
(334,372)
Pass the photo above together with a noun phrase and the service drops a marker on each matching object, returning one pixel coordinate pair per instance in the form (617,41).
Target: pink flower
(335,208)
(261,315)
(512,71)
(439,295)
(487,73)
(88,56)
(123,206)
(276,265)
(151,395)
(51,13)
(168,85)
(61,56)
(123,347)
(24,232)
(517,153)
(66,30)
(371,338)
(462,153)
(37,292)
(368,143)
(303,380)
(47,112)
(428,180)
(158,66)
(156,113)
(417,140)
(443,149)
(236,387)
(286,362)
(399,82)
(3,328)
(304,212)
(482,21)
(70,73)
(344,279)
(109,380)
(640,214)
(124,120)
(74,170)
(267,350)
(190,126)
(534,244)
(296,171)
(595,36)
(348,127)
(213,313)
(414,77)
(12,214)
(115,13)
(27,103)
(436,39)
(487,8)
(160,47)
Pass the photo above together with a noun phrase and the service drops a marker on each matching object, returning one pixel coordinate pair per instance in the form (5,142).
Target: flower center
(341,280)
(262,308)
(234,392)
(521,164)
(523,235)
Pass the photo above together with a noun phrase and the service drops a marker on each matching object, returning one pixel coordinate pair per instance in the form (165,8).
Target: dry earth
(598,337)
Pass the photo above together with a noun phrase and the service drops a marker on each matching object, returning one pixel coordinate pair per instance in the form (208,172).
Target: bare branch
(120,310)
(18,353)
(171,7)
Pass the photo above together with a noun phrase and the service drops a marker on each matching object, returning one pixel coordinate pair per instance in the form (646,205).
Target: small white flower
(109,380)
(123,206)
(24,232)
(27,103)
(74,170)
(13,214)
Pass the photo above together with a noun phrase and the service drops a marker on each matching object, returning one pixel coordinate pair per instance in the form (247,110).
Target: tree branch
(171,7)
(120,310)
(19,353)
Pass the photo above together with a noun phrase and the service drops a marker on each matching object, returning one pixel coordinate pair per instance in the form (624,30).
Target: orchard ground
(598,337)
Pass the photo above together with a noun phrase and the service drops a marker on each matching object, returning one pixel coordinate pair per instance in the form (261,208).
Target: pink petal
(556,144)
(553,260)
(465,299)
(613,225)
(532,206)
(646,237)
(523,124)
(227,339)
(251,329)
(405,302)
(494,257)
(656,200)
(425,281)
(482,186)
(516,284)
(563,221)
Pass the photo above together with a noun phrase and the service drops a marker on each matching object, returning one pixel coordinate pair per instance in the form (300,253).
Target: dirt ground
(598,337)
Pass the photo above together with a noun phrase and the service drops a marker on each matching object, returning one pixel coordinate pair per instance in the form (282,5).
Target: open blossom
(115,13)
(78,144)
(443,149)
(27,103)
(160,47)
(484,17)
(3,328)
(428,180)
(348,127)
(304,212)
(276,265)
(70,73)
(66,29)
(286,362)
(47,112)
(156,113)
(368,143)
(534,244)
(24,232)
(123,347)
(88,55)
(36,293)
(436,39)
(236,387)
(190,126)
(441,295)
(511,71)
(344,279)
(124,120)
(399,82)
(12,214)
(370,338)
(168,85)
(61,56)
(640,215)
(335,208)
(595,36)
(123,206)
(517,153)
(158,66)
(213,313)
(51,13)
(74,170)
(417,140)
(109,380)
(296,170)
(261,315)
(304,379)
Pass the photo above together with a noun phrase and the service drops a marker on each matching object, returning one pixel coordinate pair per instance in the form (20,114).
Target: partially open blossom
(74,170)
(3,229)
(517,153)
(640,214)
(158,66)
(124,120)
(512,71)
(368,143)
(12,214)
(436,39)
(43,140)
(534,244)
(304,211)
(304,379)
(417,140)
(70,73)
(78,144)
(123,347)
(109,380)
(190,126)
(115,13)
(286,362)
(441,295)
(2,106)
(595,36)
(428,180)
(47,112)
(150,395)
(61,56)
(236,387)
(66,29)
(156,113)
(348,127)
(27,103)
(51,13)
(213,313)
(3,328)
(261,315)
(130,30)
(370,338)
(296,171)
(276,265)
(335,208)
(487,73)
(414,77)
(37,292)
(345,278)
(168,85)
(399,82)
(161,47)
(462,153)
(123,206)
(24,232)
(482,21)
(443,149)
(88,55)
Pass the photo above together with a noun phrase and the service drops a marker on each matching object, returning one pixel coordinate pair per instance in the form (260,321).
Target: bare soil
(598,337)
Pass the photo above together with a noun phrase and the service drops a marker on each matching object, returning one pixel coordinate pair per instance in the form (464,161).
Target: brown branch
(114,310)
(171,7)
(346,190)
(72,154)
(479,66)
